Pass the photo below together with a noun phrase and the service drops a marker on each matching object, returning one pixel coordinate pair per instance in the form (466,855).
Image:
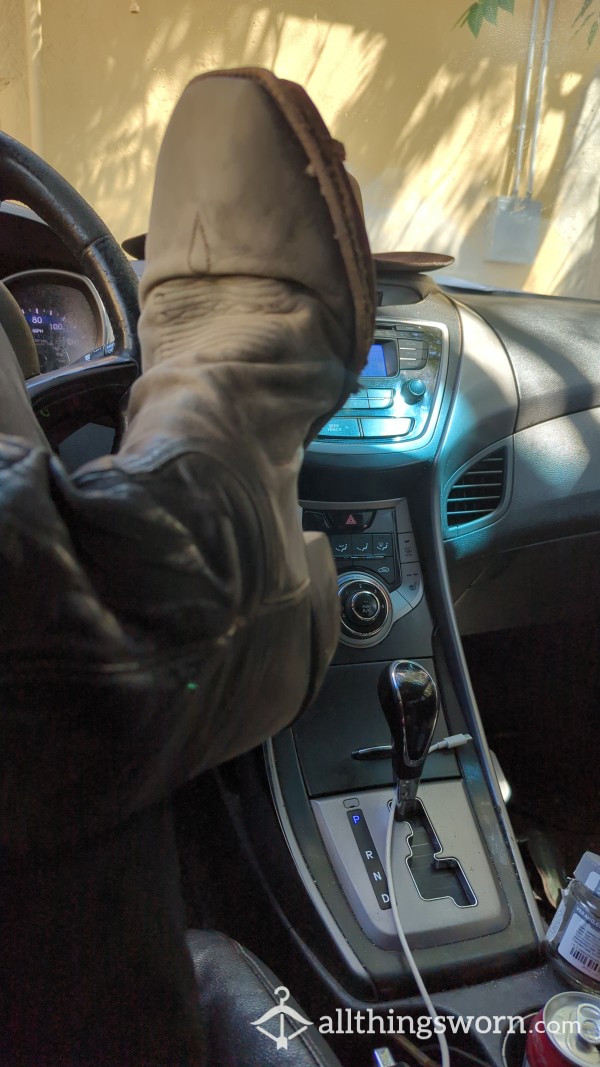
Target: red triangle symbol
(351,521)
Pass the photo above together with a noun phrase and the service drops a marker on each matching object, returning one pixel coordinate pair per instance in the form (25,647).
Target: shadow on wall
(427,114)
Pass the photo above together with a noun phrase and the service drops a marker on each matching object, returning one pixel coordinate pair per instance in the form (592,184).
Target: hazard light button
(350,521)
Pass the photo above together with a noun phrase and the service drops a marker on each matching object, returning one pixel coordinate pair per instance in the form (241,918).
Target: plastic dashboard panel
(549,419)
(554,349)
(535,560)
(486,402)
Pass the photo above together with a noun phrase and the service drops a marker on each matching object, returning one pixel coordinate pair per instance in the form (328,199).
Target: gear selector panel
(440,903)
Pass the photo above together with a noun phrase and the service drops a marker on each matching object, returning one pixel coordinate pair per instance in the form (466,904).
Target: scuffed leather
(148,633)
(235,989)
(162,611)
(150,629)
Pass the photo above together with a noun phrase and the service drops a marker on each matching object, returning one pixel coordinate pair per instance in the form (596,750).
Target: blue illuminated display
(375,367)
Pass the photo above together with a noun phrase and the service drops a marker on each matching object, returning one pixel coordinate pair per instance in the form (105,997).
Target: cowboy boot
(257,315)
(179,615)
(182,606)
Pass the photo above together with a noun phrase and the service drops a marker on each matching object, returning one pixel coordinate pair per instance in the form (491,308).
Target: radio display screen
(382,361)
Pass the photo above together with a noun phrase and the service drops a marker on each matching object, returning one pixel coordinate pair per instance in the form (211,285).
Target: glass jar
(572,940)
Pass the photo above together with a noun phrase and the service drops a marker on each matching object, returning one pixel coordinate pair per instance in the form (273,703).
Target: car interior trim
(344,948)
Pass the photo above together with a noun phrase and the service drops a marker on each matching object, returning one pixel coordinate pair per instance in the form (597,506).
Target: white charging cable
(454,741)
(389,870)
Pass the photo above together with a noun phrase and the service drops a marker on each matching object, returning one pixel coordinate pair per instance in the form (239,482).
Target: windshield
(473,131)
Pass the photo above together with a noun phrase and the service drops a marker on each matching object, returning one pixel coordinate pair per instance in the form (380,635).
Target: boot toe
(246,186)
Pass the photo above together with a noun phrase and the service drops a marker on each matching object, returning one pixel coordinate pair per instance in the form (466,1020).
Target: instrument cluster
(64,313)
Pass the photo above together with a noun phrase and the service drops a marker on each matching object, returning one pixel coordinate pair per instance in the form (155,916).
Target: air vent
(478,491)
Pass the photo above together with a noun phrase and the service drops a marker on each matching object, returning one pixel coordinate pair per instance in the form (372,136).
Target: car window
(473,130)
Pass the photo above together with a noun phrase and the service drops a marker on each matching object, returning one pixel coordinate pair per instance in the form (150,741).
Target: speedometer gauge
(64,315)
(55,336)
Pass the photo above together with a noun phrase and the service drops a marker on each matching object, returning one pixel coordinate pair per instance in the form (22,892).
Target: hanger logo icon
(283,1013)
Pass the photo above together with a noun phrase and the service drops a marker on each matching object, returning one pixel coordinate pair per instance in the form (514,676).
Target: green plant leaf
(584,7)
(490,11)
(462,19)
(586,20)
(479,10)
(475,18)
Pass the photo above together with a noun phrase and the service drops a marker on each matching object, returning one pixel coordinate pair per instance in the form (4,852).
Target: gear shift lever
(409,699)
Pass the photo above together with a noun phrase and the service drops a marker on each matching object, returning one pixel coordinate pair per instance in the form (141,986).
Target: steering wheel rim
(63,397)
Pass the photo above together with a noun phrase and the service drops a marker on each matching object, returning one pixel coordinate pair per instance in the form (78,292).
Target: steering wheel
(95,386)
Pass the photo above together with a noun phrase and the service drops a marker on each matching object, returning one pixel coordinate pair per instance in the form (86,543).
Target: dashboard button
(351,521)
(362,545)
(341,546)
(380,394)
(413,362)
(379,402)
(408,548)
(340,428)
(412,583)
(382,544)
(385,569)
(364,606)
(386,427)
(356,402)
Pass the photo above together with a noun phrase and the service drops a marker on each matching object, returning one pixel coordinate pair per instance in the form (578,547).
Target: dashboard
(506,422)
(64,313)
(497,393)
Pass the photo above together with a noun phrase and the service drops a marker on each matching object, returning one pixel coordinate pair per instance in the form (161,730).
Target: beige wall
(14,95)
(427,112)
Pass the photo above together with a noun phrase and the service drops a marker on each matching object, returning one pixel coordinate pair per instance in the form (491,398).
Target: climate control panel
(379,574)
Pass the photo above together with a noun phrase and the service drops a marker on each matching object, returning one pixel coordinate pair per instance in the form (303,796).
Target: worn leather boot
(183,618)
(250,184)
(258,283)
(163,611)
(257,306)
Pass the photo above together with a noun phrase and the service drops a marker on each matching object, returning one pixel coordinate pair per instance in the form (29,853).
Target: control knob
(414,390)
(364,605)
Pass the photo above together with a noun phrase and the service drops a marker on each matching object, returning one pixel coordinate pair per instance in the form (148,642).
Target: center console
(466,911)
(400,388)
(373,484)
